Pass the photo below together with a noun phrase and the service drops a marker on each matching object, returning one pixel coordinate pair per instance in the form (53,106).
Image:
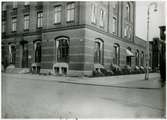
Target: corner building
(71,38)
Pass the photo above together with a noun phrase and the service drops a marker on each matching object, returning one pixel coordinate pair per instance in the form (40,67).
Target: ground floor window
(12,53)
(62,49)
(24,46)
(37,50)
(98,53)
(142,58)
(116,54)
(137,58)
(128,58)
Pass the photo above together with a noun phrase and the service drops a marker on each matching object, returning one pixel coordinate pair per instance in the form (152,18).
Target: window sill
(26,30)
(59,23)
(72,21)
(93,23)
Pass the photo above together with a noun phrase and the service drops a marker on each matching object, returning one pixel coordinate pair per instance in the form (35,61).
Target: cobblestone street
(37,96)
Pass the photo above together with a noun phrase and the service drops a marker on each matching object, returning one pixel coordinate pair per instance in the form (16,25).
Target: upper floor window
(58,11)
(70,11)
(14,23)
(114,25)
(3,6)
(115,6)
(3,26)
(93,13)
(98,53)
(26,3)
(26,22)
(116,54)
(14,5)
(39,19)
(127,8)
(102,18)
(62,48)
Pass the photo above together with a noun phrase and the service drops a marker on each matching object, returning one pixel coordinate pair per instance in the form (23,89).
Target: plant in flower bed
(127,70)
(116,69)
(136,70)
(97,73)
(105,72)
(142,69)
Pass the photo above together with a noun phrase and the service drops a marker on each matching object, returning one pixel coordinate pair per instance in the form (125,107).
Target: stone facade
(80,35)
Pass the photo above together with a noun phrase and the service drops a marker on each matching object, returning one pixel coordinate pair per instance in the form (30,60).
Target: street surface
(39,96)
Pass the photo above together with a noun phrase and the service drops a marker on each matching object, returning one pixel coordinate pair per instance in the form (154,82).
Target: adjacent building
(72,38)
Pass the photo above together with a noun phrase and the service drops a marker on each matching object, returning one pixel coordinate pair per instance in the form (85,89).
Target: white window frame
(14,5)
(26,3)
(101,50)
(57,14)
(14,24)
(93,13)
(114,30)
(4,6)
(101,22)
(117,51)
(39,19)
(26,22)
(70,12)
(3,26)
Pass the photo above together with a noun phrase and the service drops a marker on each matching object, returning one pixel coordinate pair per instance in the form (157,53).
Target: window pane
(14,4)
(3,26)
(58,14)
(3,6)
(14,20)
(70,11)
(26,22)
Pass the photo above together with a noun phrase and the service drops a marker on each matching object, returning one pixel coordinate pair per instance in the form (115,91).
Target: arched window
(127,9)
(37,50)
(128,58)
(12,53)
(142,58)
(116,54)
(137,57)
(24,50)
(62,49)
(98,53)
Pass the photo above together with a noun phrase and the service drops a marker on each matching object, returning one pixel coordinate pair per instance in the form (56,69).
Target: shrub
(97,73)
(116,69)
(105,72)
(127,70)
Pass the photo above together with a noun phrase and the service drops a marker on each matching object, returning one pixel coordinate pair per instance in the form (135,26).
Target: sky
(156,19)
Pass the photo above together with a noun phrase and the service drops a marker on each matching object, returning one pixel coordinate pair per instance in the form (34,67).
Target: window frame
(40,19)
(114,23)
(14,5)
(26,22)
(100,58)
(93,13)
(127,9)
(70,11)
(116,54)
(14,24)
(3,26)
(57,14)
(4,6)
(101,22)
(62,52)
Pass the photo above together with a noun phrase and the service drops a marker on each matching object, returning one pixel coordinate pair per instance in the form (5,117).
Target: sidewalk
(125,81)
